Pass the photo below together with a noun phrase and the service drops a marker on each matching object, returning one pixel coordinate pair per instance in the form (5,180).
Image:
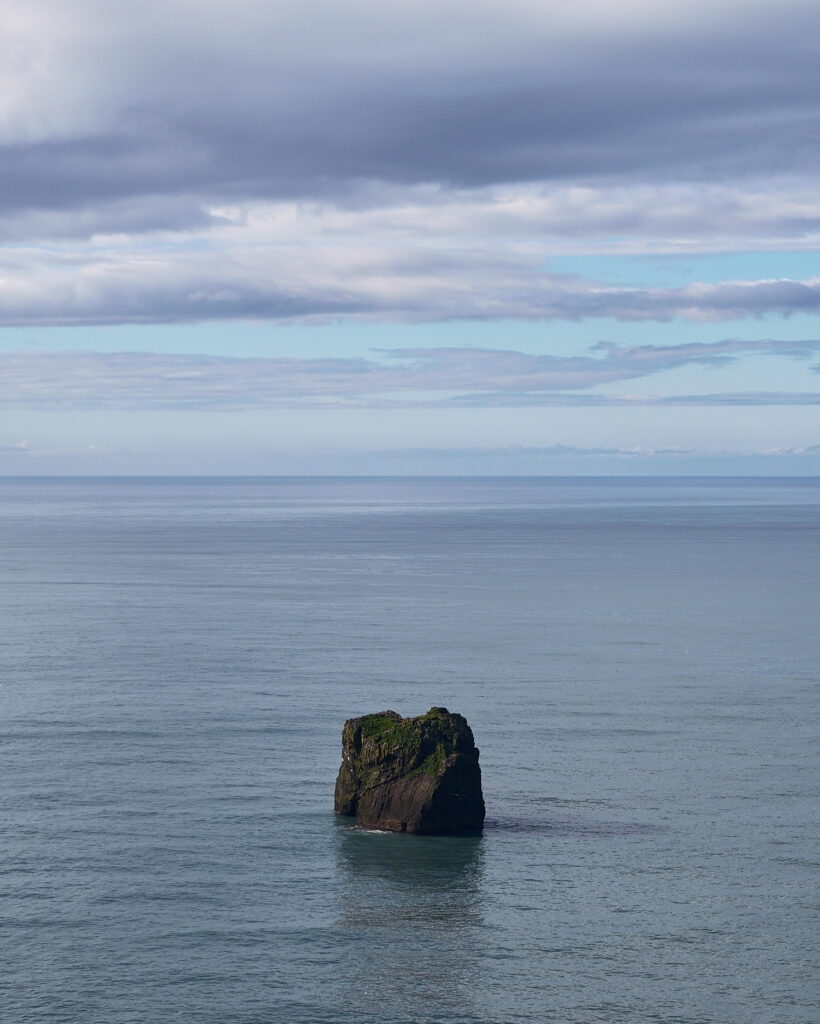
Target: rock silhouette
(418,775)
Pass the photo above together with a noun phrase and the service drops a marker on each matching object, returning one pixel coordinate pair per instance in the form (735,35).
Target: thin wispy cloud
(419,377)
(565,399)
(560,451)
(35,452)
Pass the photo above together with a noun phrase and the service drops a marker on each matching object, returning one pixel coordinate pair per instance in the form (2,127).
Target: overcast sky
(518,237)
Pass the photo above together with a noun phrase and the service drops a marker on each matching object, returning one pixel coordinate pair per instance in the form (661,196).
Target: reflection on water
(410,915)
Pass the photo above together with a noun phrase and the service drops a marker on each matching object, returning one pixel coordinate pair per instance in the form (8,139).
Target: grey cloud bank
(262,100)
(660,216)
(298,161)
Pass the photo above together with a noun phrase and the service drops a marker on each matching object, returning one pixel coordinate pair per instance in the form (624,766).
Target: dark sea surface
(638,660)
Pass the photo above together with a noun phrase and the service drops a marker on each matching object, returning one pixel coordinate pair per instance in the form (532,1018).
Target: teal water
(638,661)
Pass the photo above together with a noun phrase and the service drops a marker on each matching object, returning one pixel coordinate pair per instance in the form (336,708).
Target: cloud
(410,282)
(549,451)
(179,162)
(518,454)
(662,217)
(405,377)
(530,399)
(115,113)
(24,448)
(292,99)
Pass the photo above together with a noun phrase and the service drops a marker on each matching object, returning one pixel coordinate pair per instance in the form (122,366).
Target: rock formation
(417,775)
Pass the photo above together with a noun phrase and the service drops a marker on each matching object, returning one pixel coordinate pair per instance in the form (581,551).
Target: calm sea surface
(638,660)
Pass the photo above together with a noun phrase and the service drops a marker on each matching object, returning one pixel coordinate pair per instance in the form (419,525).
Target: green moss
(433,764)
(378,725)
(404,736)
(399,733)
(436,713)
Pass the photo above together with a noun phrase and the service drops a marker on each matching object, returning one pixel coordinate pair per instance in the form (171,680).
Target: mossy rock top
(417,775)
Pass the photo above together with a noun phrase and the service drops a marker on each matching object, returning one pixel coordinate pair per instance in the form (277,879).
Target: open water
(638,660)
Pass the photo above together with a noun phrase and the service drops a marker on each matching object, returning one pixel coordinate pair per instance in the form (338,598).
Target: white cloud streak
(408,283)
(560,451)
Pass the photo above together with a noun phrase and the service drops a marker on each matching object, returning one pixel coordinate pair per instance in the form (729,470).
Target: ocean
(638,659)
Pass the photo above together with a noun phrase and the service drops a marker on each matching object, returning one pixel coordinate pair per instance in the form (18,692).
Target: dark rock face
(417,775)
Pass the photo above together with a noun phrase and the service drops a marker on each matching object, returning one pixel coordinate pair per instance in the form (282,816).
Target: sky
(446,237)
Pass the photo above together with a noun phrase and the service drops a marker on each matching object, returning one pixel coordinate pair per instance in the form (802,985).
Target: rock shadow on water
(410,909)
(568,825)
(421,866)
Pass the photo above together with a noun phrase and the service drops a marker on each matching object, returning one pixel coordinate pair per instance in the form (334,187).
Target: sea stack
(417,775)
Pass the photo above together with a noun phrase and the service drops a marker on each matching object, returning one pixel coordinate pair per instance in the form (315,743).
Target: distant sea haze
(638,662)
